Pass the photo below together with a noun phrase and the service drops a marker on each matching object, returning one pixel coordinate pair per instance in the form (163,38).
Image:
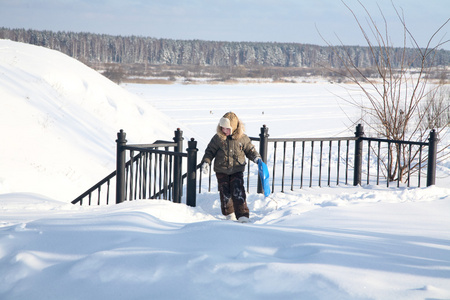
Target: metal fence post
(358,155)
(177,168)
(432,158)
(263,145)
(191,193)
(120,167)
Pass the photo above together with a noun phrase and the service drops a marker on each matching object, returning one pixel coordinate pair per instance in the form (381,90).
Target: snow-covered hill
(59,121)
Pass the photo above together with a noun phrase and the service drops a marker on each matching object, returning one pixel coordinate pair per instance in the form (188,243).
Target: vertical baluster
(209,179)
(284,165)
(170,177)
(200,181)
(274,164)
(165,176)
(107,192)
(420,164)
(155,175)
(141,175)
(346,162)
(248,176)
(320,164)
(99,194)
(368,162)
(127,171)
(183,187)
(145,175)
(329,163)
(311,169)
(399,152)
(145,172)
(338,162)
(378,162)
(136,178)
(409,164)
(293,166)
(160,174)
(131,173)
(303,164)
(150,177)
(389,164)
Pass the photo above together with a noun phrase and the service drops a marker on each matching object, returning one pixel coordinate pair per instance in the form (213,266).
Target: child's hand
(205,168)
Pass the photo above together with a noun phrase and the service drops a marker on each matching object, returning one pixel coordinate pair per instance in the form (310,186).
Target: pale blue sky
(228,20)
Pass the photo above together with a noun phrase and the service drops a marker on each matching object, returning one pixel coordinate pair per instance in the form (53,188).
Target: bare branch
(401,101)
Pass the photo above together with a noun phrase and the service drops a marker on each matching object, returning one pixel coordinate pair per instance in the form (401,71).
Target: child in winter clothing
(230,146)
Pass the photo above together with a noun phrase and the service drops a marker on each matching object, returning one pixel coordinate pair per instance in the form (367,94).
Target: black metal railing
(149,173)
(153,173)
(299,162)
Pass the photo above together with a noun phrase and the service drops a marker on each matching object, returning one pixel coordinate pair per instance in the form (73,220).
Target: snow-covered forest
(96,48)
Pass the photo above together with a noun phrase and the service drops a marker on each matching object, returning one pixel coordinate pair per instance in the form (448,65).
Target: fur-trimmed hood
(238,128)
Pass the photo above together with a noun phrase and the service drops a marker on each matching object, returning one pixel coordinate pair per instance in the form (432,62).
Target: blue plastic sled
(264,175)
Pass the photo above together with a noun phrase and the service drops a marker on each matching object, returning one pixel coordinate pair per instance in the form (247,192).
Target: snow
(60,120)
(44,94)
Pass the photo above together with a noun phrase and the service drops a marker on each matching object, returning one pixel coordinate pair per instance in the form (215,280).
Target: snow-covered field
(60,120)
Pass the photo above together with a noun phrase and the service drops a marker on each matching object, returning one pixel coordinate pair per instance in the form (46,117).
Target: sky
(299,21)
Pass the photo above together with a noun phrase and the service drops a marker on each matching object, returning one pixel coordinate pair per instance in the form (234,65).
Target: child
(230,146)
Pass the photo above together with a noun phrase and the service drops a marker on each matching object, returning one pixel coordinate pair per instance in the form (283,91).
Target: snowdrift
(60,120)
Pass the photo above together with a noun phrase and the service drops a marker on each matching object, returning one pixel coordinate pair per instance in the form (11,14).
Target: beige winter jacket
(230,152)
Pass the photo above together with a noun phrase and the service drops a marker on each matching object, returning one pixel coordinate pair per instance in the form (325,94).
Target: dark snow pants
(232,194)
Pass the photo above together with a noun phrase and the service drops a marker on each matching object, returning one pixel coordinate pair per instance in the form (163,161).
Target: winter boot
(243,220)
(231,217)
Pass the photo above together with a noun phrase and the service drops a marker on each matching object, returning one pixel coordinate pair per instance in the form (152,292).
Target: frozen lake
(288,109)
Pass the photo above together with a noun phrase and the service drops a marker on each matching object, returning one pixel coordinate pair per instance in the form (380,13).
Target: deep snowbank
(60,119)
(310,245)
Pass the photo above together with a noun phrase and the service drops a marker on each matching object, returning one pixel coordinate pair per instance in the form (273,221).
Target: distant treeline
(100,48)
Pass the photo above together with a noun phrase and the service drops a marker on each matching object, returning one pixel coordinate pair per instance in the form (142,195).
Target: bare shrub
(114,73)
(400,103)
